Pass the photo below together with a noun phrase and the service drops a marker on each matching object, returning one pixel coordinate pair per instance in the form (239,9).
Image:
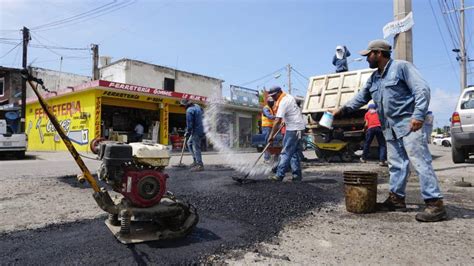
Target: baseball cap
(339,48)
(376,45)
(274,90)
(372,106)
(270,99)
(184,102)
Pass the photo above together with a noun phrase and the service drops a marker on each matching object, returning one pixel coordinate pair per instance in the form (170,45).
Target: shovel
(244,180)
(181,164)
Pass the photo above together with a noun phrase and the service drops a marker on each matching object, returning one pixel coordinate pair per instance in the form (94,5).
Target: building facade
(144,74)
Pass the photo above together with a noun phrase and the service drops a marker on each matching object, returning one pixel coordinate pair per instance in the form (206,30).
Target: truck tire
(20,154)
(457,155)
(259,149)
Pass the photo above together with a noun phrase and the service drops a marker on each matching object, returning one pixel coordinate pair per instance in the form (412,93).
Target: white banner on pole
(395,27)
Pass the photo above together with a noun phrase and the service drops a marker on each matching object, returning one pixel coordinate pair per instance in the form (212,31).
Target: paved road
(231,215)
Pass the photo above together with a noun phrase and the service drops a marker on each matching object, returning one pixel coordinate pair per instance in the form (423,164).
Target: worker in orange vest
(268,116)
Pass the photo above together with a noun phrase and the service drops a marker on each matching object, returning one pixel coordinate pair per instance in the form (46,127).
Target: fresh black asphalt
(231,216)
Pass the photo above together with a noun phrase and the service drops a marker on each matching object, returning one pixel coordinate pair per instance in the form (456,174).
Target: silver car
(462,127)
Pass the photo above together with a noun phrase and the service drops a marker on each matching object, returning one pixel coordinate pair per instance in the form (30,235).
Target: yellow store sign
(75,114)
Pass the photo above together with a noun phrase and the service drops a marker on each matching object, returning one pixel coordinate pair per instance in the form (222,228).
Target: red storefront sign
(150,91)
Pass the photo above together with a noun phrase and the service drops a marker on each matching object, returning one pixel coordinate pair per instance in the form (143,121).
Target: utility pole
(463,49)
(289,79)
(26,40)
(95,61)
(403,41)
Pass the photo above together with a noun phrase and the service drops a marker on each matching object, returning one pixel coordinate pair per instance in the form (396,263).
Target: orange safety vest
(275,109)
(275,106)
(267,122)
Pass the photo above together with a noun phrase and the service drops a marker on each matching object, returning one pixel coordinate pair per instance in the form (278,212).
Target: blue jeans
(266,132)
(412,148)
(428,128)
(369,137)
(289,155)
(194,146)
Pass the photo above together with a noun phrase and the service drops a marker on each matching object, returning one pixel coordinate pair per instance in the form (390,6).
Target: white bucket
(326,120)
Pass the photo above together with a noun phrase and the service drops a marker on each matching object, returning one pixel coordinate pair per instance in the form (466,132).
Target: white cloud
(442,105)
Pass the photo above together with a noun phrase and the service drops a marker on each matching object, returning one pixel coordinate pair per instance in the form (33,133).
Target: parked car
(12,140)
(442,141)
(462,127)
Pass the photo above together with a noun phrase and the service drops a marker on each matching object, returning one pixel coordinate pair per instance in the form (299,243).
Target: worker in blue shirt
(194,133)
(402,97)
(268,117)
(339,60)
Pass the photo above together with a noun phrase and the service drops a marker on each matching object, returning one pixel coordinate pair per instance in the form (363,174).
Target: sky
(239,41)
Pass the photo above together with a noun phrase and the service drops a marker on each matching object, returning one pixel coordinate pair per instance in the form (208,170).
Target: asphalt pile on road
(231,216)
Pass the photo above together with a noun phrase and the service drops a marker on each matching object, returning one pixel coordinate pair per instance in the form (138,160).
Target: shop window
(2,90)
(168,84)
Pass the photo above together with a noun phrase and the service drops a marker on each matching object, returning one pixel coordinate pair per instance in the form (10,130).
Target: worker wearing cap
(194,133)
(289,113)
(374,129)
(339,60)
(402,97)
(267,123)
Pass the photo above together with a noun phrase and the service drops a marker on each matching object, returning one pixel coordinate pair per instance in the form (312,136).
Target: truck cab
(12,140)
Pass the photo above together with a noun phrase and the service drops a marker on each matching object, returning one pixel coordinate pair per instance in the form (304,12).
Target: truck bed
(327,92)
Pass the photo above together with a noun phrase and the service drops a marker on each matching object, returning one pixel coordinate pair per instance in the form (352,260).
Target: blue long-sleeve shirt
(267,113)
(341,64)
(194,120)
(400,93)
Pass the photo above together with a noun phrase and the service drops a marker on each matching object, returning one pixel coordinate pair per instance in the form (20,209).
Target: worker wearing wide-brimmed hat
(289,113)
(402,97)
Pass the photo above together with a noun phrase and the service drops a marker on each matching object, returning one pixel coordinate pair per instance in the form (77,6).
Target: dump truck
(328,92)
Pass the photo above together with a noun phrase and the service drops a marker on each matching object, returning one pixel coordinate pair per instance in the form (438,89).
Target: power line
(48,46)
(75,17)
(34,37)
(18,44)
(255,80)
(442,38)
(90,16)
(16,56)
(446,21)
(297,72)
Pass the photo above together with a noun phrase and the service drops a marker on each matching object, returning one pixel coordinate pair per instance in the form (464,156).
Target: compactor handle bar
(85,171)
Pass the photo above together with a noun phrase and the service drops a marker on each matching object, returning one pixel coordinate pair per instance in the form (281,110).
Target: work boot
(362,160)
(434,211)
(275,178)
(393,203)
(383,163)
(197,168)
(193,165)
(295,179)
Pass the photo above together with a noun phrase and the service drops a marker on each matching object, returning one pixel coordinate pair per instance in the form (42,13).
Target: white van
(12,140)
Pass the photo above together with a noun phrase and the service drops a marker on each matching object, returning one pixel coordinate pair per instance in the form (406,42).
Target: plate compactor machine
(146,210)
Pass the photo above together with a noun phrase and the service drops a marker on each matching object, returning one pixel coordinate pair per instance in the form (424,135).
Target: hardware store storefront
(107,110)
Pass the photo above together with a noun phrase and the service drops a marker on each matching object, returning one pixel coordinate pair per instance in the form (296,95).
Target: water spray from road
(214,122)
